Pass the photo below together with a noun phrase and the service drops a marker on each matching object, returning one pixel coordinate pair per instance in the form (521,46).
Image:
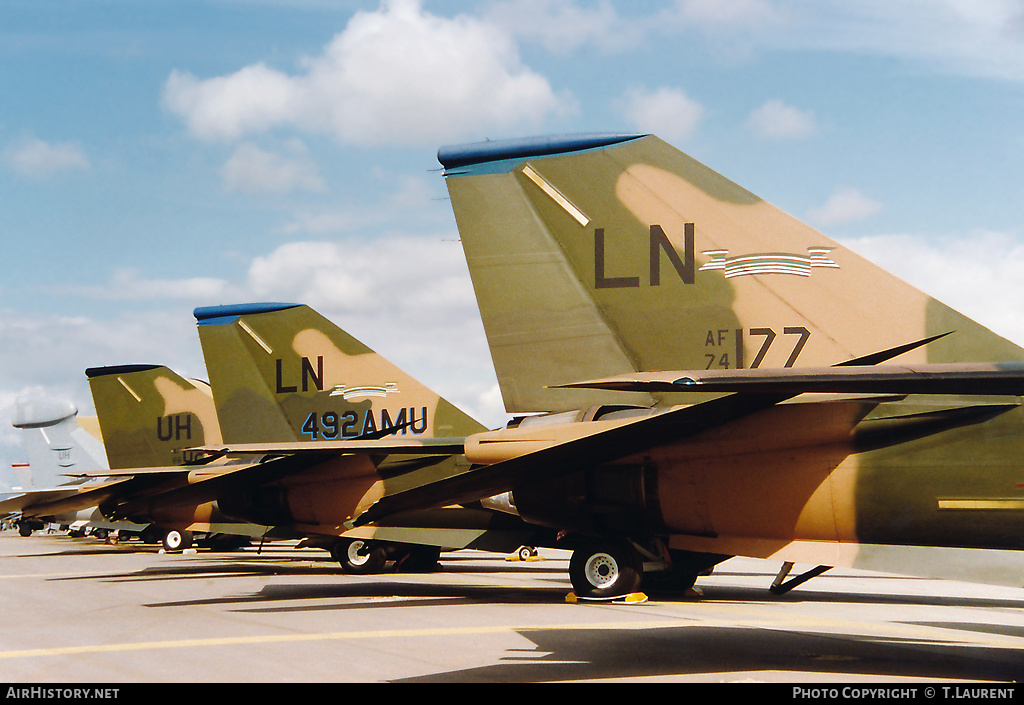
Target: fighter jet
(295,460)
(149,415)
(343,426)
(145,414)
(710,377)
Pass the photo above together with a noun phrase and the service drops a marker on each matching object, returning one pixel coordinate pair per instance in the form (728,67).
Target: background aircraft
(605,256)
(59,445)
(149,415)
(284,486)
(145,414)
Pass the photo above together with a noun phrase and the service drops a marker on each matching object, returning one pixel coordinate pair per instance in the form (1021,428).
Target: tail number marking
(331,425)
(718,339)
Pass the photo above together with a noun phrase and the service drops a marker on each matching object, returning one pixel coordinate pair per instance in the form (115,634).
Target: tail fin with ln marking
(599,255)
(283,372)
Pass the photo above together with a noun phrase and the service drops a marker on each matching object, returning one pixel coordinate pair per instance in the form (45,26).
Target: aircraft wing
(83,498)
(26,499)
(166,470)
(139,487)
(206,487)
(604,446)
(564,458)
(981,379)
(383,446)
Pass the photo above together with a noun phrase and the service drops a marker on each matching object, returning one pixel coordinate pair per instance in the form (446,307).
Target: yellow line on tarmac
(66,574)
(731,616)
(333,636)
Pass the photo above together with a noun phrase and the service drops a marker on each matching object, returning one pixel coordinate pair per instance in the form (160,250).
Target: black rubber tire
(175,540)
(605,569)
(359,557)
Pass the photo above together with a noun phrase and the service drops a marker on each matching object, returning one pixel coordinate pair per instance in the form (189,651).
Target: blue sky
(162,155)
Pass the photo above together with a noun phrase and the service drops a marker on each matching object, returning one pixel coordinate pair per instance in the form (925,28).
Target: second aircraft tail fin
(283,372)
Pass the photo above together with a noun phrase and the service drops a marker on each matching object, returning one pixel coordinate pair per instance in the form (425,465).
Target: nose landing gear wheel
(605,569)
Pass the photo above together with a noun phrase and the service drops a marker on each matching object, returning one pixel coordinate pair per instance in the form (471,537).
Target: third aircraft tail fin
(149,414)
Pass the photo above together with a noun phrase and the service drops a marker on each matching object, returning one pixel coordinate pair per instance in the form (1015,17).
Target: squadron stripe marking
(128,389)
(252,334)
(556,195)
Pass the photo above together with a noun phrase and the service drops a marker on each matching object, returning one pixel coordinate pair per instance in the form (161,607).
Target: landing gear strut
(781,588)
(420,559)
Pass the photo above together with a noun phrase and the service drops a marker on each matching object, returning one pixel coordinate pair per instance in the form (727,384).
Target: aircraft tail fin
(56,442)
(283,372)
(149,414)
(599,255)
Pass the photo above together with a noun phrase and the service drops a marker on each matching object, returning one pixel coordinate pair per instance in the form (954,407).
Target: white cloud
(36,158)
(778,121)
(978,274)
(129,285)
(254,99)
(667,112)
(404,276)
(973,37)
(409,298)
(963,37)
(254,170)
(735,13)
(562,26)
(396,75)
(845,205)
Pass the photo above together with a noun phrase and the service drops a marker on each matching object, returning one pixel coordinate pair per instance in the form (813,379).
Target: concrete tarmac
(77,610)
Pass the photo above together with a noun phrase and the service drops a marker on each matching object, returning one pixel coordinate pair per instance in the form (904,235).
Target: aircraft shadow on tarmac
(277,563)
(733,653)
(389,590)
(367,593)
(720,652)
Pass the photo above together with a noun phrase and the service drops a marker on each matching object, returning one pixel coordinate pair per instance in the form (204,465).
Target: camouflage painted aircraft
(149,416)
(146,415)
(348,426)
(302,458)
(713,380)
